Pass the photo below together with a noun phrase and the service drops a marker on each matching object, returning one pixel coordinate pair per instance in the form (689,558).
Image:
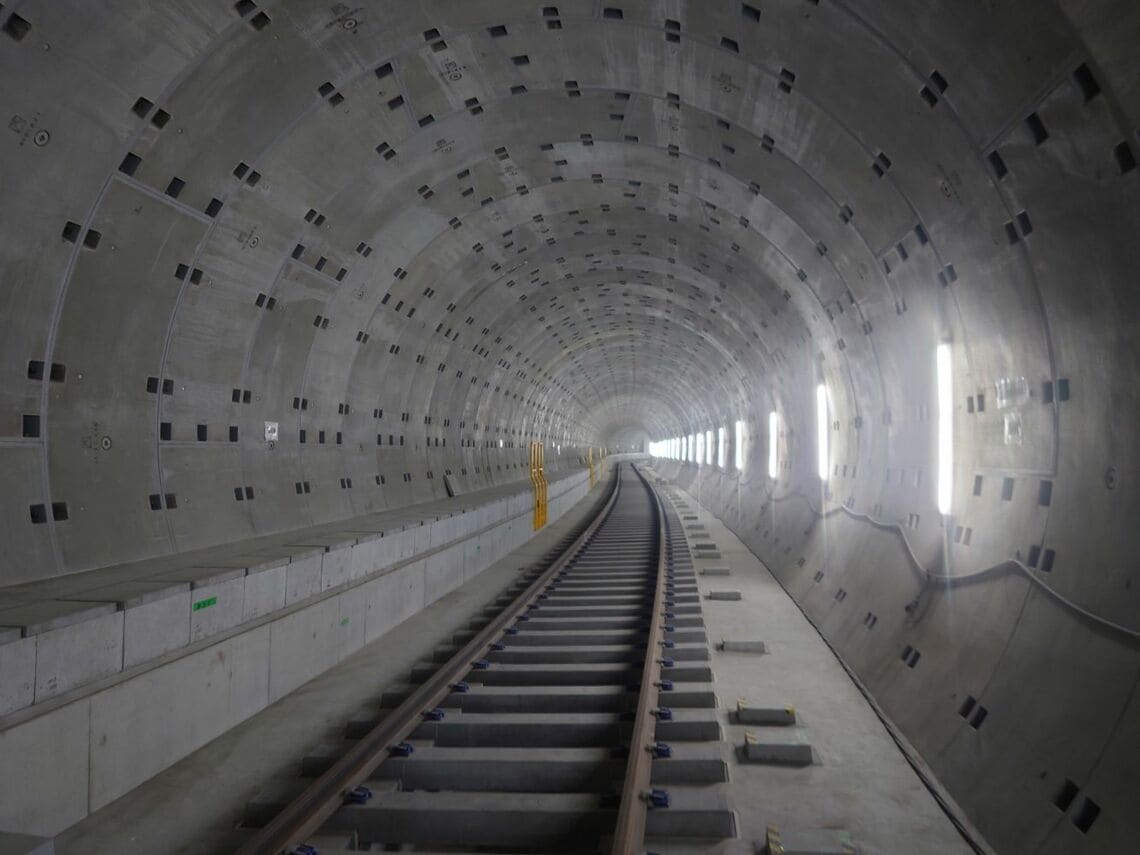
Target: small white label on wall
(271,431)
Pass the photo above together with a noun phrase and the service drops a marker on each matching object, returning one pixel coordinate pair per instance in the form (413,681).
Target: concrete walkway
(859,782)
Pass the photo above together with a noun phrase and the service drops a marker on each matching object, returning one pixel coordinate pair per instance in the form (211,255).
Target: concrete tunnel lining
(422,235)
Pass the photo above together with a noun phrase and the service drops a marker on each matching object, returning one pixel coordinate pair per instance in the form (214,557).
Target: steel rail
(629,833)
(321,799)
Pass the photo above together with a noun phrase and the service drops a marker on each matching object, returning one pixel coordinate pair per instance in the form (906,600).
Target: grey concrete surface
(218,590)
(137,722)
(193,806)
(858,782)
(270,266)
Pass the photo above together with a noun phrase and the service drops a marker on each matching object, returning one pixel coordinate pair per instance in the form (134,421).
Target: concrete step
(694,812)
(582,675)
(551,730)
(276,794)
(531,821)
(685,616)
(578,638)
(593,654)
(688,725)
(522,699)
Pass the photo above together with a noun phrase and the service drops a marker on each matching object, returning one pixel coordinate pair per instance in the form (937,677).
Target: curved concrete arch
(749,199)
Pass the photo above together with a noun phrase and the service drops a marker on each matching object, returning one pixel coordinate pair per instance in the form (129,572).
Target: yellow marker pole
(536,517)
(540,450)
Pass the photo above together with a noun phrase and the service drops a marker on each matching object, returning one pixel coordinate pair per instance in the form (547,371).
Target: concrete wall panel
(45,762)
(76,654)
(17,673)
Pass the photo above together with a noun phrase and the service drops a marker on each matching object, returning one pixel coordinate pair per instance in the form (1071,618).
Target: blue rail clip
(665,685)
(401,749)
(435,714)
(658,798)
(480,664)
(664,714)
(460,688)
(662,749)
(357,796)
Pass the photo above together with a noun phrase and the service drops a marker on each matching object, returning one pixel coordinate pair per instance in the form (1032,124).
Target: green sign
(203,604)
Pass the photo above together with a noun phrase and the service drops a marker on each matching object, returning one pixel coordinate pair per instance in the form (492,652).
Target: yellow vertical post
(541,451)
(536,519)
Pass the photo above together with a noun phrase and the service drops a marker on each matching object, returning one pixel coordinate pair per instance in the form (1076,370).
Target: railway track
(576,715)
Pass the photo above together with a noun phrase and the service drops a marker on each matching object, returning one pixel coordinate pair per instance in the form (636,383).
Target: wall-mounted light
(822,424)
(738,446)
(721,448)
(700,457)
(945,427)
(773,439)
(709,447)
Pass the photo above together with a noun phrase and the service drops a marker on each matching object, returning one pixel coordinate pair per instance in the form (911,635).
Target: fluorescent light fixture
(721,447)
(822,424)
(738,446)
(773,444)
(709,447)
(700,447)
(945,428)
(692,448)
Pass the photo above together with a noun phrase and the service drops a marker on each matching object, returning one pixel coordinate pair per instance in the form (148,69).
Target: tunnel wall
(429,233)
(1014,696)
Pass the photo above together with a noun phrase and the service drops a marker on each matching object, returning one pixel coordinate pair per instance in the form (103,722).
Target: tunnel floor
(859,781)
(859,787)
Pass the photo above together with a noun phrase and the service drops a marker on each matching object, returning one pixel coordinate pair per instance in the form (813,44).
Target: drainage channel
(577,715)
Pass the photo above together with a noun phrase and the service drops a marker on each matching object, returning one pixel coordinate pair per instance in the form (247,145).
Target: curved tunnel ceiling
(417,235)
(504,221)
(507,220)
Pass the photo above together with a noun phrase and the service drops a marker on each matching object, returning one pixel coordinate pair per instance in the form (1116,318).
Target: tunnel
(848,274)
